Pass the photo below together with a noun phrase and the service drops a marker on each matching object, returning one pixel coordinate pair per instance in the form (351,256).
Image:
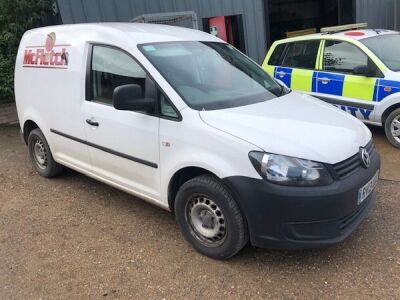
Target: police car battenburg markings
(354,68)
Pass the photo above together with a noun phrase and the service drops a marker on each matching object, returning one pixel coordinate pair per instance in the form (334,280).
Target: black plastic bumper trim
(280,217)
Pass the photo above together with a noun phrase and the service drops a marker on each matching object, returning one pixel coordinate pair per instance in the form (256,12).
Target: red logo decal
(50,41)
(50,55)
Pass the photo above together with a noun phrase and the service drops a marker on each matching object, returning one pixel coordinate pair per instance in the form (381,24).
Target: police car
(352,67)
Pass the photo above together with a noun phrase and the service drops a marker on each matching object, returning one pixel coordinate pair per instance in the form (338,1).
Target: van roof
(140,32)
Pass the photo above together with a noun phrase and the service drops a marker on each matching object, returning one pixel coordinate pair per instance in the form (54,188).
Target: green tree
(16,17)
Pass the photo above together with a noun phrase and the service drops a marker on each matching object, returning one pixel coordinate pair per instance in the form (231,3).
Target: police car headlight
(287,170)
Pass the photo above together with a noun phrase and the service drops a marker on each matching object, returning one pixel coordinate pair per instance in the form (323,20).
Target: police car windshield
(387,48)
(211,75)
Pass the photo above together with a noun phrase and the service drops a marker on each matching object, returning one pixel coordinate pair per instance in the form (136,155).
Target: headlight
(290,170)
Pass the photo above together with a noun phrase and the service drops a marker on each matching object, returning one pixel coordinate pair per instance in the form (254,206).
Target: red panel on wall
(218,27)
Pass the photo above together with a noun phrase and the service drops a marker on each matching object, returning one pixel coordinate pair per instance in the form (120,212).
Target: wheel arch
(29,125)
(180,177)
(388,111)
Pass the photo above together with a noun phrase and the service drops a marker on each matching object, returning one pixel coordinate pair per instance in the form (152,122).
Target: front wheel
(392,128)
(210,218)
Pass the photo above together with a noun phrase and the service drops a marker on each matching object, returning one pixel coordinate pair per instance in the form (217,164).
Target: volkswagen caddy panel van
(183,120)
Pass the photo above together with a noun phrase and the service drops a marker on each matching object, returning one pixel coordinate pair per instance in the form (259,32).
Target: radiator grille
(349,166)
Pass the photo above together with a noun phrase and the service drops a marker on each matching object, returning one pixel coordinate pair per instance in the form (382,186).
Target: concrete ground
(73,237)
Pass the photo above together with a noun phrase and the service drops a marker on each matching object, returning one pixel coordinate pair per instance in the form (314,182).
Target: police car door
(298,65)
(338,83)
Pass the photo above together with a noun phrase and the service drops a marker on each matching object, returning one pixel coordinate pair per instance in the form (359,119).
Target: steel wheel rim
(395,128)
(40,154)
(206,221)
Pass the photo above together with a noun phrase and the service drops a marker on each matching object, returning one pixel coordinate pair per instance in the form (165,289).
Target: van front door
(123,145)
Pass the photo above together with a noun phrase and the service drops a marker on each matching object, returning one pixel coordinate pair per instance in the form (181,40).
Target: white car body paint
(218,141)
(281,126)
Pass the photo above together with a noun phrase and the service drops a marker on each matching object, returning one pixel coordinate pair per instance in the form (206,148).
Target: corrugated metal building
(250,24)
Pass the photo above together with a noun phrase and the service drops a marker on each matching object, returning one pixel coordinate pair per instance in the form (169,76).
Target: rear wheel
(209,217)
(392,128)
(40,154)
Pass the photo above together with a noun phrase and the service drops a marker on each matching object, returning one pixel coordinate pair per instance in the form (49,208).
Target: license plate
(367,189)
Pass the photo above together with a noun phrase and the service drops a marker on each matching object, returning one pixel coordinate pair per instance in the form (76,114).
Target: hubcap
(40,154)
(395,128)
(206,220)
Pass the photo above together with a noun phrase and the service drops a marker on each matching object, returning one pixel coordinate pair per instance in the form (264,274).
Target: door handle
(324,80)
(92,122)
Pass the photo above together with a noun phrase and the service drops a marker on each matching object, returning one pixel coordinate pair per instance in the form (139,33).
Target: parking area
(73,237)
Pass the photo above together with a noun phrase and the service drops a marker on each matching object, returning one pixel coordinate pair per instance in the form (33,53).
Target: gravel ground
(73,237)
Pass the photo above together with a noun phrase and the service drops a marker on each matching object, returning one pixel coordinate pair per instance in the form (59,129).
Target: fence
(186,19)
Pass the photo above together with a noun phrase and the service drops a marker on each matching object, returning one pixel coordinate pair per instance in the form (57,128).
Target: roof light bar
(344,27)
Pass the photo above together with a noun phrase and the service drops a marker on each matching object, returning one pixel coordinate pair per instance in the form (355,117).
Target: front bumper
(283,217)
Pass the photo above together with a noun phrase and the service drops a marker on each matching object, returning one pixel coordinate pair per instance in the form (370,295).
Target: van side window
(343,57)
(276,57)
(166,109)
(301,54)
(111,68)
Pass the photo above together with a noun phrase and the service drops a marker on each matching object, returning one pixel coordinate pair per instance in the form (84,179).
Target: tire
(392,125)
(210,218)
(41,157)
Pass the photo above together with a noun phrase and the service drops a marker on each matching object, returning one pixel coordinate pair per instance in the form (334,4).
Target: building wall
(379,14)
(253,11)
(397,15)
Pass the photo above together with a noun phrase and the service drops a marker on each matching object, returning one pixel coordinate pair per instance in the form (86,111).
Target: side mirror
(366,71)
(130,97)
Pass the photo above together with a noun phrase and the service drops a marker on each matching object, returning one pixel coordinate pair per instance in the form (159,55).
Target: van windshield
(210,75)
(387,48)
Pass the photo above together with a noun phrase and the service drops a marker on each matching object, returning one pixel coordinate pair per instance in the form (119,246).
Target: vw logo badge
(365,158)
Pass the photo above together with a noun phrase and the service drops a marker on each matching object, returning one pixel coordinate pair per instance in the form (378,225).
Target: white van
(185,121)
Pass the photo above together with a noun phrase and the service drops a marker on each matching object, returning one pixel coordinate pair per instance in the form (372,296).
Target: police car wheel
(40,154)
(209,217)
(392,128)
